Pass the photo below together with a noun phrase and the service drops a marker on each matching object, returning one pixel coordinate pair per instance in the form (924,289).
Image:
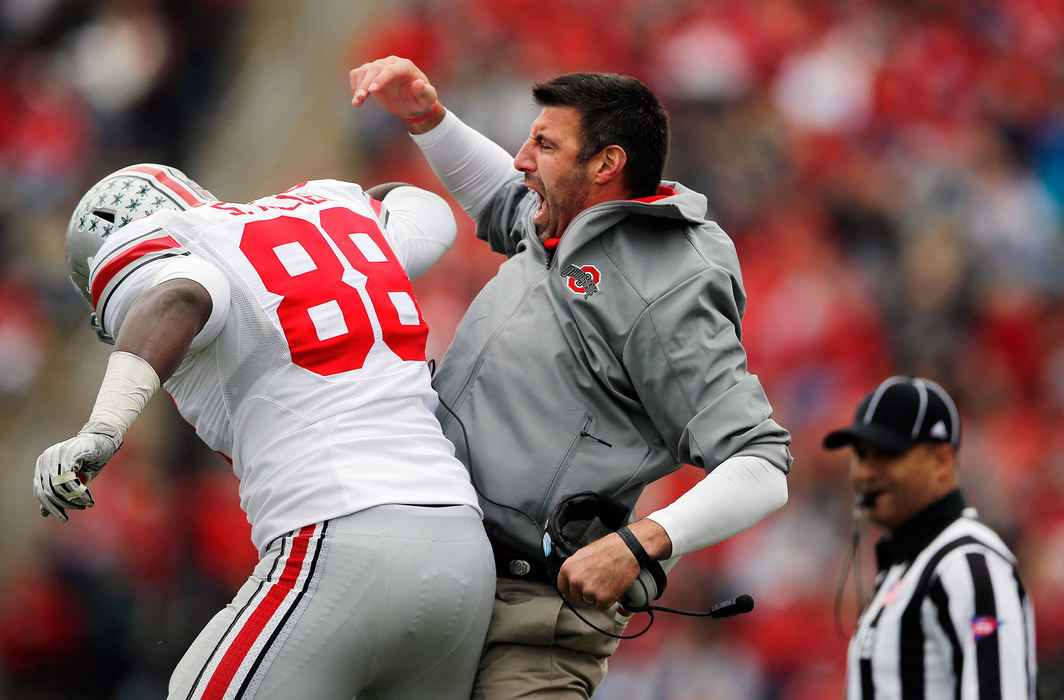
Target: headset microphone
(736,606)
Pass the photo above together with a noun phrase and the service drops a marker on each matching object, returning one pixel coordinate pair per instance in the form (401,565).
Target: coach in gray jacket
(604,354)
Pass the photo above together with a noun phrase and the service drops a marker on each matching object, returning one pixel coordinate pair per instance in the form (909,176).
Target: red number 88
(328,311)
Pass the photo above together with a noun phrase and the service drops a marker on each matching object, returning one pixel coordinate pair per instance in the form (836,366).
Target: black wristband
(644,560)
(633,543)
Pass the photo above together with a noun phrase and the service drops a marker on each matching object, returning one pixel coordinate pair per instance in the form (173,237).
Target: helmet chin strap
(94,322)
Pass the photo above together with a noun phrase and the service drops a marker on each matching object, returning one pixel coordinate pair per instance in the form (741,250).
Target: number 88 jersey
(310,374)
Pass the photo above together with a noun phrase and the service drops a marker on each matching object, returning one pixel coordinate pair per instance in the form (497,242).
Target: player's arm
(162,322)
(471,166)
(156,334)
(157,313)
(379,192)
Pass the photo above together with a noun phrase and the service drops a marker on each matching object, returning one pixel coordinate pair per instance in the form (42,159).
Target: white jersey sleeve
(141,256)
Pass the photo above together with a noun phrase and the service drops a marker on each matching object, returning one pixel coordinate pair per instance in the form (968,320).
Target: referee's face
(902,484)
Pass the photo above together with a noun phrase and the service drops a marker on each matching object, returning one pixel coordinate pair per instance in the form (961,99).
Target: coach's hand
(398,85)
(64,468)
(601,572)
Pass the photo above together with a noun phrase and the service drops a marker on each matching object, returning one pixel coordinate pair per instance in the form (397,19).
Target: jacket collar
(905,543)
(674,201)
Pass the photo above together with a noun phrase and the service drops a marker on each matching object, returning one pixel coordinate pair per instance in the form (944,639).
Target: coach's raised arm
(401,88)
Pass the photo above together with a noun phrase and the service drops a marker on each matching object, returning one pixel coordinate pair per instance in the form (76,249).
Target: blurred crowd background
(892,174)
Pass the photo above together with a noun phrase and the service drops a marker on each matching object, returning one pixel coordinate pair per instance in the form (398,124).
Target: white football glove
(64,468)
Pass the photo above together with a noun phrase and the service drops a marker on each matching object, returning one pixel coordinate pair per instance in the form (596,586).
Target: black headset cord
(853,558)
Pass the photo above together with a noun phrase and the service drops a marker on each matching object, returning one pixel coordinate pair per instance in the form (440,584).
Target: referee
(950,617)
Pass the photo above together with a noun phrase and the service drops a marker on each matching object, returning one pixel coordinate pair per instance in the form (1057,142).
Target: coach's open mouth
(541,210)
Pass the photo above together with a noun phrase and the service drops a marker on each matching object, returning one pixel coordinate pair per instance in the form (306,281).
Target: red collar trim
(663,192)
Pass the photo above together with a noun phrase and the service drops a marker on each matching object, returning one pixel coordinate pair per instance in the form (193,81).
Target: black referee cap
(899,413)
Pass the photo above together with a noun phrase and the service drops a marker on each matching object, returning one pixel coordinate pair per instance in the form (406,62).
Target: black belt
(510,564)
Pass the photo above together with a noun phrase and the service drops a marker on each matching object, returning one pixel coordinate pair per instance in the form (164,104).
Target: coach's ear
(608,165)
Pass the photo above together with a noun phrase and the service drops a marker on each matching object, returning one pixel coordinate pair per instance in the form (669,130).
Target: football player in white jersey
(287,334)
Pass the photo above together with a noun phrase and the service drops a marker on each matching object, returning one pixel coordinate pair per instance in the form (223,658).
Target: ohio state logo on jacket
(583,279)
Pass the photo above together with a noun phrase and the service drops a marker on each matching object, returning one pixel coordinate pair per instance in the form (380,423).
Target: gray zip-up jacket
(602,367)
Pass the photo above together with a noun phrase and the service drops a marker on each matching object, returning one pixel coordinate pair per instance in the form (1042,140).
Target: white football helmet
(124,195)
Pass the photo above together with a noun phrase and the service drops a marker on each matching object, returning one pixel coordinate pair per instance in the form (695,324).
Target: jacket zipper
(584,433)
(564,466)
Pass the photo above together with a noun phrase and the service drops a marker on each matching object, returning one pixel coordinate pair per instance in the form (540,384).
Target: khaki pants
(538,648)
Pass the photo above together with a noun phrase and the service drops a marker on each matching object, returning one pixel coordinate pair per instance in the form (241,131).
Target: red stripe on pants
(256,622)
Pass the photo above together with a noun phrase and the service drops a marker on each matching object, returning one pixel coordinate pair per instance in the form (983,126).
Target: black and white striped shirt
(950,617)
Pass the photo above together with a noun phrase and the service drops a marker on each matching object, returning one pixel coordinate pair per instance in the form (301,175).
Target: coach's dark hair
(615,110)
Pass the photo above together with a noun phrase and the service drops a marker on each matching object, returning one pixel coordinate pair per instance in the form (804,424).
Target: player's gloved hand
(64,468)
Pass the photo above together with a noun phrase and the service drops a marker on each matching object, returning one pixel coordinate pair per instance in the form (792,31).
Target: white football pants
(389,602)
